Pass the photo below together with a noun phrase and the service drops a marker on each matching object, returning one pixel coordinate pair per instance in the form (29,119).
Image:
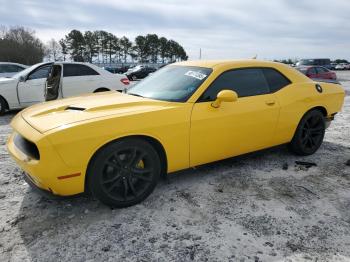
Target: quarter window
(275,79)
(245,82)
(78,70)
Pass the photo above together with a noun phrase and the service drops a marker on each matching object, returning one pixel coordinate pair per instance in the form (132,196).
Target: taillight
(125,81)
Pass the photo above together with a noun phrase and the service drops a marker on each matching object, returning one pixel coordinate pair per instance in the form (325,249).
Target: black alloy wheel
(310,133)
(124,173)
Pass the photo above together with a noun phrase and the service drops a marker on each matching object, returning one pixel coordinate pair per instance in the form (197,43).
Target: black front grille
(27,147)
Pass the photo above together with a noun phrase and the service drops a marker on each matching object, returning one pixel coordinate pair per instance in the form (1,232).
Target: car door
(53,83)
(79,79)
(31,89)
(234,128)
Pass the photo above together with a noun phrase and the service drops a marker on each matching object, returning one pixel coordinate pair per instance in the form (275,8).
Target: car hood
(61,113)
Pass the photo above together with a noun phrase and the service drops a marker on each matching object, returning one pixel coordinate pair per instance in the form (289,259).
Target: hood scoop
(75,108)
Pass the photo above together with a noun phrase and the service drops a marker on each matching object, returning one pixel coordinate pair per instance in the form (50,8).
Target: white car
(342,66)
(49,81)
(8,69)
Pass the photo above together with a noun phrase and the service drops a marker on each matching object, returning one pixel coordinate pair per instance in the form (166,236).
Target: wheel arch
(6,103)
(322,109)
(155,143)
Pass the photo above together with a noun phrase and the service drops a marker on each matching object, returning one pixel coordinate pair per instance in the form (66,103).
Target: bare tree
(54,50)
(20,45)
(64,48)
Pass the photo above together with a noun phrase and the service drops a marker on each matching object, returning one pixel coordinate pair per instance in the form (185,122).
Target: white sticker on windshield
(197,75)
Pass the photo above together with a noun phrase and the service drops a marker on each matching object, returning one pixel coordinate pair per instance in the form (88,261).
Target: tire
(124,173)
(309,134)
(3,106)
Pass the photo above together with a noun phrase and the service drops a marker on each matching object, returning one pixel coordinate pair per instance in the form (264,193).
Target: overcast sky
(224,29)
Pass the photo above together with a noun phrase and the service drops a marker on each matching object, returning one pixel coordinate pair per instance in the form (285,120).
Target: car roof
(10,63)
(304,67)
(68,62)
(223,65)
(229,63)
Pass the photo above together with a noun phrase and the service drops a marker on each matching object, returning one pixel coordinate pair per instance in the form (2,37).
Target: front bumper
(329,120)
(46,172)
(34,186)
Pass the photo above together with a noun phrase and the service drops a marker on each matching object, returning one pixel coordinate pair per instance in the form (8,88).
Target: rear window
(77,70)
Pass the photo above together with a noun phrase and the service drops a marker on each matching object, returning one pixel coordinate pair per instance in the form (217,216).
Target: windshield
(171,83)
(136,68)
(26,71)
(302,70)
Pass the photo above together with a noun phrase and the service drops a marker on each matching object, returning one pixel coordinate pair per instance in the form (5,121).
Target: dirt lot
(249,208)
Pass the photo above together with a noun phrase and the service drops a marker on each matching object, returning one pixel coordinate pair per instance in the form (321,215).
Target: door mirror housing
(224,96)
(22,79)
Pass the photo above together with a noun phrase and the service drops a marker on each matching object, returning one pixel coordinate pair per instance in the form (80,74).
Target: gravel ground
(258,207)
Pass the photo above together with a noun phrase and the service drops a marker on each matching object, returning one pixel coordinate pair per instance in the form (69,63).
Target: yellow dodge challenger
(117,145)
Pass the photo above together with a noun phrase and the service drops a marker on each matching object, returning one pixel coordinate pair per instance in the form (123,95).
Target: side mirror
(22,79)
(224,96)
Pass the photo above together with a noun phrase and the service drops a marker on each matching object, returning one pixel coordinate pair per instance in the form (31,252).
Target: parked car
(342,66)
(117,70)
(9,69)
(118,145)
(333,65)
(49,81)
(317,72)
(325,62)
(139,72)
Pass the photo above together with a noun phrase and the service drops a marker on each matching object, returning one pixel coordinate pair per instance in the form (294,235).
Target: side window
(77,70)
(10,69)
(19,68)
(41,72)
(245,82)
(14,68)
(275,79)
(321,70)
(312,71)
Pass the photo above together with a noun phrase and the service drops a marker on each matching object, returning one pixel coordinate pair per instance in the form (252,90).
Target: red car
(319,72)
